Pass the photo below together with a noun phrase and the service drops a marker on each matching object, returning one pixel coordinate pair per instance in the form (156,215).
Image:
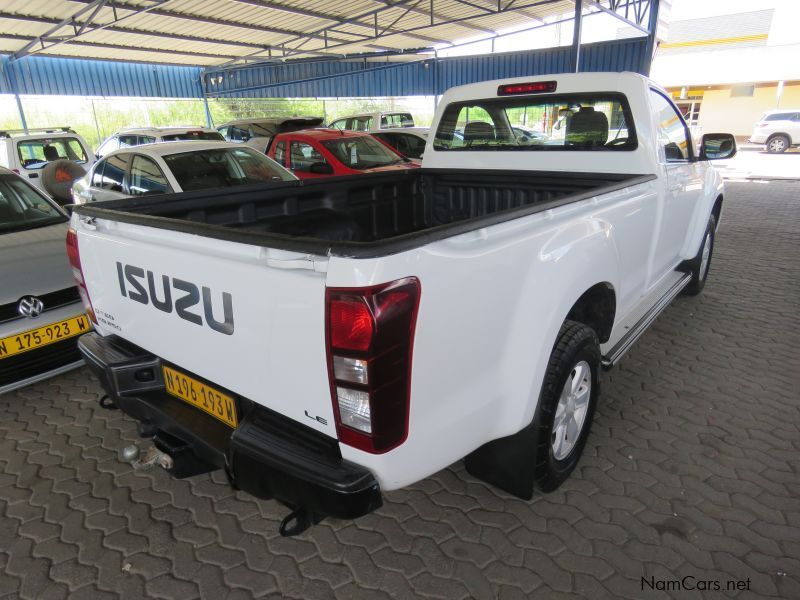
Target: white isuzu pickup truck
(325,340)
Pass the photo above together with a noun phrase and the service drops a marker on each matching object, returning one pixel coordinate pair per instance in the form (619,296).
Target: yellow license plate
(42,336)
(204,397)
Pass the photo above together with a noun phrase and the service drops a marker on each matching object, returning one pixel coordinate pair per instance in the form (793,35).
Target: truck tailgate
(235,314)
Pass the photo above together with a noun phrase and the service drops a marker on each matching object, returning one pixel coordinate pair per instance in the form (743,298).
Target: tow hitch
(297,521)
(169,453)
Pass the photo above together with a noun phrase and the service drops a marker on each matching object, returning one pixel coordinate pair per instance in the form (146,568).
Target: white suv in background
(28,153)
(779,130)
(375,120)
(128,138)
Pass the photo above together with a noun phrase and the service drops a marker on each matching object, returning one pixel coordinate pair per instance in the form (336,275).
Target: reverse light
(369,342)
(354,409)
(352,370)
(77,272)
(536,87)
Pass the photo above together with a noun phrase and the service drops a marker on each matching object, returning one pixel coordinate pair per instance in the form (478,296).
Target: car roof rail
(6,133)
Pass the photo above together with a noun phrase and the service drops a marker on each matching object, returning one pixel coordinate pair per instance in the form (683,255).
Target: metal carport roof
(234,32)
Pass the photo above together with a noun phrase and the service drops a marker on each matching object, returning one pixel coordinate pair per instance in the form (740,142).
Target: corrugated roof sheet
(79,77)
(203,32)
(426,77)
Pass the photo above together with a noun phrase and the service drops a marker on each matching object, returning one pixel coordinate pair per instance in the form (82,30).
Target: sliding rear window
(596,122)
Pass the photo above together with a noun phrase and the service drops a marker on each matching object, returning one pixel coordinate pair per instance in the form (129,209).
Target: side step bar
(635,332)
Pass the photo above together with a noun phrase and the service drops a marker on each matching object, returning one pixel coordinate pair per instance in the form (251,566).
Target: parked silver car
(41,313)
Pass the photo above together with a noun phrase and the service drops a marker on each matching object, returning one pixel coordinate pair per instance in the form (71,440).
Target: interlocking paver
(692,468)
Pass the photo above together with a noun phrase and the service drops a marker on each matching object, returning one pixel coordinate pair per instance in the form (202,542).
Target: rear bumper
(268,455)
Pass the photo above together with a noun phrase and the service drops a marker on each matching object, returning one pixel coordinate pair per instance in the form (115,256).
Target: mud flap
(507,463)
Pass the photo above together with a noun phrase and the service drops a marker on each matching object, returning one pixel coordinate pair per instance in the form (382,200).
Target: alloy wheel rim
(704,259)
(573,404)
(776,144)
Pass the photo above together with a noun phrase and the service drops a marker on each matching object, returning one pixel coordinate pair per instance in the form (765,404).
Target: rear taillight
(369,340)
(75,261)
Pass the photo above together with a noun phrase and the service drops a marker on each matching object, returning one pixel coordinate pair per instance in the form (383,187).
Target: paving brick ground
(692,469)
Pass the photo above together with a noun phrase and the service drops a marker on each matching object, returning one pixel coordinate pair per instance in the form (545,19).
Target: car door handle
(33,175)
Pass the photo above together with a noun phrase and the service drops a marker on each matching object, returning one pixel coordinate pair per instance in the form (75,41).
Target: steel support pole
(576,37)
(652,25)
(209,120)
(12,83)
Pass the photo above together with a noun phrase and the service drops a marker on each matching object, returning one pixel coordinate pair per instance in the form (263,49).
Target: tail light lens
(370,339)
(75,260)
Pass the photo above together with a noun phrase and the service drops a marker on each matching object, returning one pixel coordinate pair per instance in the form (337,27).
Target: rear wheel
(566,405)
(778,144)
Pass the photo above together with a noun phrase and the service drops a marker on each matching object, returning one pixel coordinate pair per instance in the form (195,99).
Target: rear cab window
(562,122)
(36,153)
(21,207)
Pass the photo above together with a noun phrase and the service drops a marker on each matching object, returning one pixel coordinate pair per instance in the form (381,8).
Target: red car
(325,152)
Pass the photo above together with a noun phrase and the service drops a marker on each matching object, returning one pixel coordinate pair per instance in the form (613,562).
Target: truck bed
(364,215)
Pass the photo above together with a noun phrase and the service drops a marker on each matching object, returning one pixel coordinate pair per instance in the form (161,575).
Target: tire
(778,144)
(58,177)
(699,266)
(560,432)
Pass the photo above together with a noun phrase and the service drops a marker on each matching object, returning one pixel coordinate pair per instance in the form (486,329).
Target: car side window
(114,173)
(146,139)
(303,155)
(280,153)
(361,124)
(672,132)
(340,124)
(146,178)
(126,141)
(97,174)
(240,135)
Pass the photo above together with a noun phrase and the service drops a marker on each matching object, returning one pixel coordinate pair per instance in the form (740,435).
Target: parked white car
(172,167)
(374,120)
(324,340)
(29,153)
(128,138)
(41,313)
(258,133)
(778,130)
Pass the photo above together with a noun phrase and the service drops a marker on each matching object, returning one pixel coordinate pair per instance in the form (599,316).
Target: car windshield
(224,167)
(35,154)
(361,152)
(21,207)
(538,123)
(212,136)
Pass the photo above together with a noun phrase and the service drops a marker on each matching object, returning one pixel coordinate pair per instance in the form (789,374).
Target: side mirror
(321,168)
(716,146)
